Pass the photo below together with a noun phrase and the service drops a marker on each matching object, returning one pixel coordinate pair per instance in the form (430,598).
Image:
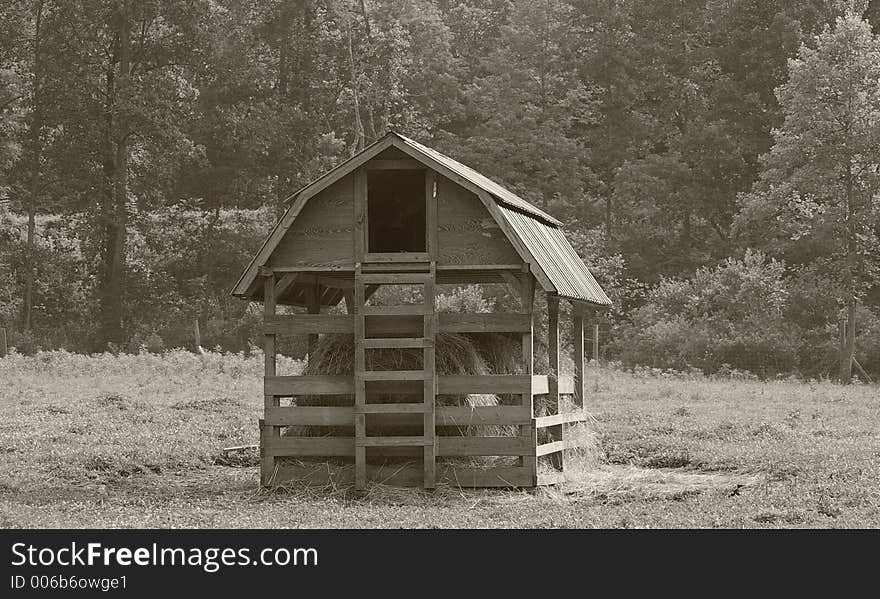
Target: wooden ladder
(395,273)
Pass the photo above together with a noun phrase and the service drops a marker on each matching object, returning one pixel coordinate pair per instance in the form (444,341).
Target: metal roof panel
(562,265)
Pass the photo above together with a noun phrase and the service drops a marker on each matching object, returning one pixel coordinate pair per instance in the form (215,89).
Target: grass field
(136,441)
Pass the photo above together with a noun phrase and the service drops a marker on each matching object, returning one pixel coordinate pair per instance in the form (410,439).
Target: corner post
(313,300)
(577,314)
(267,462)
(527,300)
(557,432)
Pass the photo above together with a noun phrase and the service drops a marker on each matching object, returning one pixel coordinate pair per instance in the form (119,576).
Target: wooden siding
(323,233)
(467,232)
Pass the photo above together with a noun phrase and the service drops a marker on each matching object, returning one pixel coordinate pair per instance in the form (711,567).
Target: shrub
(730,316)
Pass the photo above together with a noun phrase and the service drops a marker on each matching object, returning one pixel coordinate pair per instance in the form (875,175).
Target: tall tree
(121,98)
(820,187)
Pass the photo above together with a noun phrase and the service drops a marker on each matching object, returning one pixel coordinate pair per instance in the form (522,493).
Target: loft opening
(396,211)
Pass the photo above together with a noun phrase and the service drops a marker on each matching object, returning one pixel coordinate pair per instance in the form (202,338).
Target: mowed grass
(136,441)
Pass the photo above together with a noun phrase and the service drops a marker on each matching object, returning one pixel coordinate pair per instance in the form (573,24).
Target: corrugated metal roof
(539,232)
(555,256)
(502,195)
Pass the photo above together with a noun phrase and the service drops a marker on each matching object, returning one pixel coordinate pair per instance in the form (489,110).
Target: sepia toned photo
(457,264)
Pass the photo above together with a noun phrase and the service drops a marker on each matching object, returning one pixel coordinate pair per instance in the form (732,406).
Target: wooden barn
(400,213)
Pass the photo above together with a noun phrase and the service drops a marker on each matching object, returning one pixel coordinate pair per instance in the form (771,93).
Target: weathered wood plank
(267,462)
(527,306)
(309,446)
(397,342)
(392,441)
(394,326)
(285,283)
(577,335)
(541,386)
(396,257)
(400,278)
(510,476)
(478,267)
(321,234)
(484,323)
(391,408)
(307,324)
(479,446)
(557,419)
(319,474)
(431,214)
(310,416)
(482,415)
(429,391)
(466,231)
(312,384)
(548,448)
(455,384)
(393,375)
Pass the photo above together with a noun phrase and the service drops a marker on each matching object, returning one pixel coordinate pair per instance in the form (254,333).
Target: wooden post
(527,300)
(360,387)
(3,349)
(267,466)
(841,329)
(313,299)
(198,335)
(580,383)
(596,341)
(360,214)
(431,213)
(557,432)
(430,383)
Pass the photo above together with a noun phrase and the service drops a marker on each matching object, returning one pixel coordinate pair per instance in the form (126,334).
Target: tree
(819,191)
(526,110)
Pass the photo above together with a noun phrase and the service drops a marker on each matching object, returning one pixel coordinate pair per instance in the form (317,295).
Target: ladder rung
(390,408)
(400,278)
(393,375)
(392,441)
(389,342)
(404,310)
(389,267)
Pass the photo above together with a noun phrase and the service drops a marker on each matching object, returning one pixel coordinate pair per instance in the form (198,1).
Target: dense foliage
(146,147)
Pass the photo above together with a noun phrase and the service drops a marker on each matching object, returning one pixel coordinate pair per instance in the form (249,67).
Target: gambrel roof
(536,236)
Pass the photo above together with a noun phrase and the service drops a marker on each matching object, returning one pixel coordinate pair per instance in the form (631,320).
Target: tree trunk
(358,123)
(36,155)
(848,350)
(282,88)
(608,210)
(115,205)
(849,347)
(284,51)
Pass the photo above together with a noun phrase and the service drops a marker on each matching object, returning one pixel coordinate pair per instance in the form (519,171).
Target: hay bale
(455,354)
(484,353)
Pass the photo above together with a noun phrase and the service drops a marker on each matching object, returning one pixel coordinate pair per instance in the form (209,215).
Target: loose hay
(456,354)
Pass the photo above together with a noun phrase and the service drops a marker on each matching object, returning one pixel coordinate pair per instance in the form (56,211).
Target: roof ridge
(500,193)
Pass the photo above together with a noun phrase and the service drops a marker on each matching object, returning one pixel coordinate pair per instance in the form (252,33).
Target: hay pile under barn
(456,354)
(486,353)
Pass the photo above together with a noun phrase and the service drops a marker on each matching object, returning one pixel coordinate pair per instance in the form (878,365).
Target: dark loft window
(396,210)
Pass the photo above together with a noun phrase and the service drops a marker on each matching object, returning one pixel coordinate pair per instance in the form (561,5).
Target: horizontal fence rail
(377,323)
(446,446)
